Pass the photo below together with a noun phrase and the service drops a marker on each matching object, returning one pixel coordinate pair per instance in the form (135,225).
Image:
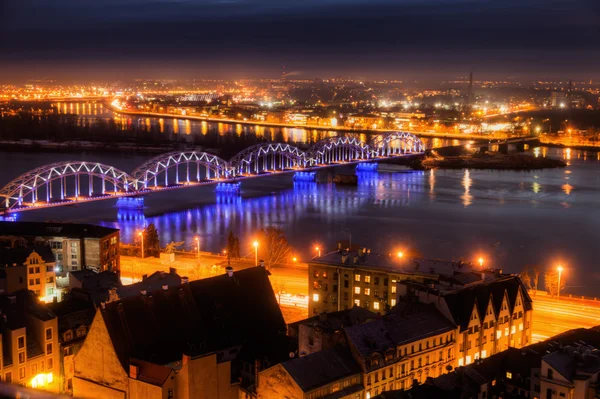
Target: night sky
(398,39)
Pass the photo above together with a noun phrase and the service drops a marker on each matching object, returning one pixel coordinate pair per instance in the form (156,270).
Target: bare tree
(551,282)
(274,247)
(526,278)
(536,278)
(279,286)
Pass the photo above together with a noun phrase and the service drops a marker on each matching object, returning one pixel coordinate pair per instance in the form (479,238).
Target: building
(331,373)
(571,372)
(30,352)
(76,246)
(493,312)
(341,279)
(323,331)
(74,315)
(31,268)
(413,342)
(208,338)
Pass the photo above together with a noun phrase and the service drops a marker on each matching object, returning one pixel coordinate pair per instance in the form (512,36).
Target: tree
(551,281)
(279,286)
(151,241)
(526,278)
(233,246)
(274,247)
(536,278)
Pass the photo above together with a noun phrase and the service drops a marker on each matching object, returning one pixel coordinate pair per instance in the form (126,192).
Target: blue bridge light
(367,167)
(130,203)
(228,188)
(305,176)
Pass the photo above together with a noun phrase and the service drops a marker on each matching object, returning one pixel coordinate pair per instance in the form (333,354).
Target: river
(511,219)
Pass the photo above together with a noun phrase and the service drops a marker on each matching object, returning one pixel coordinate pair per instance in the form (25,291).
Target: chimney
(344,257)
(229,271)
(355,259)
(133,371)
(143,292)
(185,280)
(144,277)
(165,287)
(172,271)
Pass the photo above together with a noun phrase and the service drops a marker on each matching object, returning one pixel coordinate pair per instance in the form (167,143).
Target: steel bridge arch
(42,177)
(152,168)
(409,143)
(334,149)
(248,159)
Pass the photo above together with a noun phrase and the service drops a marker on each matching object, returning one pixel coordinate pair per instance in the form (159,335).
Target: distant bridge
(65,183)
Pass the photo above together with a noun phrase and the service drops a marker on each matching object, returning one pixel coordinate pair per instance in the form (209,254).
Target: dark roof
(153,282)
(321,368)
(42,229)
(424,391)
(72,312)
(152,373)
(407,322)
(334,321)
(95,284)
(197,318)
(18,256)
(461,302)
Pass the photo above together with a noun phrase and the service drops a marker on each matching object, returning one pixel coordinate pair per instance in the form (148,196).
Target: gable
(276,382)
(97,359)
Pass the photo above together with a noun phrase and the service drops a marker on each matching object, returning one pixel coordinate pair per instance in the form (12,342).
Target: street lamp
(400,254)
(318,251)
(480,260)
(255,245)
(197,247)
(560,269)
(141,234)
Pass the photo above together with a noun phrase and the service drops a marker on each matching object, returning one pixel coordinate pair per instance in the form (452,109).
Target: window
(8,377)
(509,375)
(68,351)
(49,363)
(315,297)
(357,277)
(324,274)
(391,372)
(170,393)
(357,302)
(393,302)
(316,274)
(21,357)
(37,269)
(393,289)
(31,281)
(48,334)
(520,326)
(21,342)
(376,280)
(367,291)
(49,349)
(31,270)
(357,290)
(34,369)
(376,305)
(311,340)
(506,332)
(345,283)
(498,334)
(22,373)
(367,279)
(37,281)
(550,374)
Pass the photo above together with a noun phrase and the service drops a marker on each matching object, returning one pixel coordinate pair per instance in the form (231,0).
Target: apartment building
(32,268)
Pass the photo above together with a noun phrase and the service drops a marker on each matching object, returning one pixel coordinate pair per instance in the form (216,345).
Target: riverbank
(77,146)
(487,161)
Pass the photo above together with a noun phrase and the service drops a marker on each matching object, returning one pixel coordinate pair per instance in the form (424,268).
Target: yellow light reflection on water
(467,182)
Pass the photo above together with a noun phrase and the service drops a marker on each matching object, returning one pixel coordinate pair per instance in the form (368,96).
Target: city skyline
(257,38)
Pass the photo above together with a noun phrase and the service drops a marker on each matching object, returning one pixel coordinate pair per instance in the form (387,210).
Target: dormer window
(68,335)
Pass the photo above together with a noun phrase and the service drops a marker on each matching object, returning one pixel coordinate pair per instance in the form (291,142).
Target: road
(552,316)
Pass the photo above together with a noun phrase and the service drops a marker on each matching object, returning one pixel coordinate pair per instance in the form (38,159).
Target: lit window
(357,277)
(498,334)
(468,360)
(513,329)
(393,289)
(357,290)
(483,354)
(315,297)
(376,305)
(367,279)
(393,302)
(509,375)
(520,326)
(461,362)
(367,291)
(357,302)
(506,332)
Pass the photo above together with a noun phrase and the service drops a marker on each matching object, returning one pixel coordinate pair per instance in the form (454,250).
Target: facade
(407,346)
(329,373)
(339,280)
(31,268)
(492,315)
(571,372)
(204,339)
(75,246)
(30,352)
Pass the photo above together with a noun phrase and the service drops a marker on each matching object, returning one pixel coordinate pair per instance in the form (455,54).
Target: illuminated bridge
(65,183)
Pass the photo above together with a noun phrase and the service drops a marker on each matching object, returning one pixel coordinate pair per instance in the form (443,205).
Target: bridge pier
(305,176)
(367,167)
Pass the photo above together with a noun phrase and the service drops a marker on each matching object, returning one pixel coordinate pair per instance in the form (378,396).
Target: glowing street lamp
(480,261)
(318,251)
(400,254)
(141,234)
(294,259)
(255,245)
(560,269)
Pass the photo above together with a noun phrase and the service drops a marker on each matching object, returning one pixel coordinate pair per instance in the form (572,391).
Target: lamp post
(197,247)
(318,251)
(255,245)
(141,234)
(560,269)
(480,260)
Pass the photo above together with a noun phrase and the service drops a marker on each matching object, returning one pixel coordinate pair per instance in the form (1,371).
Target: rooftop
(18,256)
(321,368)
(334,321)
(574,361)
(43,229)
(150,283)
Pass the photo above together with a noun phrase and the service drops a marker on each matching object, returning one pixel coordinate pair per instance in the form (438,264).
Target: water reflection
(466,183)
